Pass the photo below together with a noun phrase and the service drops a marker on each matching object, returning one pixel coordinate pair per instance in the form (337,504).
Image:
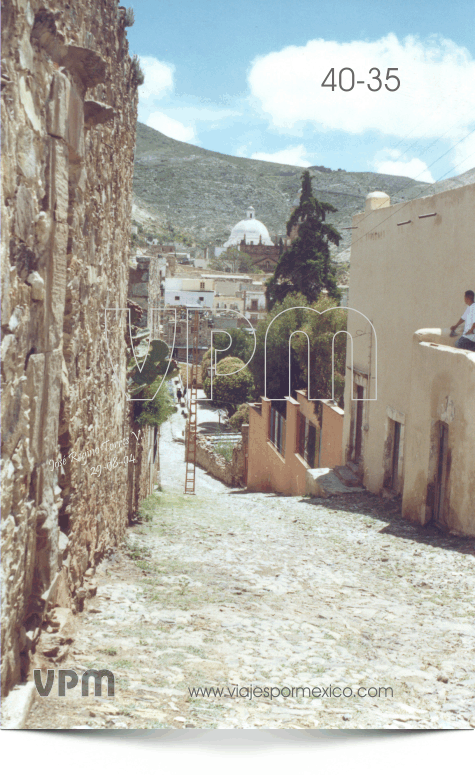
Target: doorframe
(358,411)
(440,506)
(393,416)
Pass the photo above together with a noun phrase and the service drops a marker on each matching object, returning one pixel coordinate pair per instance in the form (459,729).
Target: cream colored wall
(403,278)
(194,284)
(442,389)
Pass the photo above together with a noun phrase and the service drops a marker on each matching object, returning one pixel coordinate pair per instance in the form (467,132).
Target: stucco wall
(331,435)
(442,389)
(268,470)
(402,278)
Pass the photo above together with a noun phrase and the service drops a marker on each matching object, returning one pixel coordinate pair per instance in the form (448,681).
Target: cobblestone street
(228,588)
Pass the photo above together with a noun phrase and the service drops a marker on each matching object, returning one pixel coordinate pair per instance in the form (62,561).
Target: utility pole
(190,456)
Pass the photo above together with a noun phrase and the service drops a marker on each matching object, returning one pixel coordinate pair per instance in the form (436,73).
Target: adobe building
(409,425)
(287,438)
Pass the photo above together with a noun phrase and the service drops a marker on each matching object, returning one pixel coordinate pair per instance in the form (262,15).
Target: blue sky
(244,78)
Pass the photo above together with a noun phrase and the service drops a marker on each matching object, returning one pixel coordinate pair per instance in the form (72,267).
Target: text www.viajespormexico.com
(251,691)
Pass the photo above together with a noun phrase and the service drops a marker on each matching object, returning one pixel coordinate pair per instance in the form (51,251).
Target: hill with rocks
(184,190)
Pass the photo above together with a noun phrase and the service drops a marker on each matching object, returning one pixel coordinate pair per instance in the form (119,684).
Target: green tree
(320,330)
(156,410)
(233,260)
(306,267)
(230,387)
(241,346)
(151,408)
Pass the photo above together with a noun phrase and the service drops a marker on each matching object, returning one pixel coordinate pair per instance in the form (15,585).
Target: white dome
(249,229)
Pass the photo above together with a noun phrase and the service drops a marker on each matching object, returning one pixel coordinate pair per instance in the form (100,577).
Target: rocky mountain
(203,193)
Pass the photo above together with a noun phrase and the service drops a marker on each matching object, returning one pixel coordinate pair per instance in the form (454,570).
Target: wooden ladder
(190,456)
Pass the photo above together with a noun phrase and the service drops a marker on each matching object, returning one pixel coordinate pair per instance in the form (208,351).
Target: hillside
(203,193)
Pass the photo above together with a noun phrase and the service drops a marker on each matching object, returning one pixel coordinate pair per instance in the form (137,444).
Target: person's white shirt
(469,318)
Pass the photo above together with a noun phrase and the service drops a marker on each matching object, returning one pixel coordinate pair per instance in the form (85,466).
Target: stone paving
(230,589)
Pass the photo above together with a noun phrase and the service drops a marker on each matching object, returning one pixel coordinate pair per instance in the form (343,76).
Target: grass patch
(149,507)
(225,448)
(146,566)
(108,651)
(123,664)
(137,551)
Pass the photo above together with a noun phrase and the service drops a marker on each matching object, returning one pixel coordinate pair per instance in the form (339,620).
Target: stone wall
(208,458)
(144,468)
(69,106)
(138,286)
(145,289)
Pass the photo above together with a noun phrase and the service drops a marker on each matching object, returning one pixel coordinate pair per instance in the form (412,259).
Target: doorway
(358,422)
(441,485)
(395,457)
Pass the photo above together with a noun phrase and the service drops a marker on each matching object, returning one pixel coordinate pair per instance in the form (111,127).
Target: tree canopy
(230,387)
(319,330)
(241,346)
(306,267)
(234,260)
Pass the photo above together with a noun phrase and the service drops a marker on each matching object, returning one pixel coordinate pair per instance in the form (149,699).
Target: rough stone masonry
(69,105)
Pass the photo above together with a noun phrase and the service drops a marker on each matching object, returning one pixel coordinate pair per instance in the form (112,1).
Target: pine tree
(306,267)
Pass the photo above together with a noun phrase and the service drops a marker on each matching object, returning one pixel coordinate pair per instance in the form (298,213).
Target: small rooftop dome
(376,200)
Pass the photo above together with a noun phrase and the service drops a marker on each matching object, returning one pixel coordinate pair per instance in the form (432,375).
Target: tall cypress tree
(306,267)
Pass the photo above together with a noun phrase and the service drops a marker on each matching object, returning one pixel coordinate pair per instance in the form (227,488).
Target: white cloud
(412,168)
(199,113)
(158,78)
(171,127)
(242,150)
(293,155)
(436,95)
(463,156)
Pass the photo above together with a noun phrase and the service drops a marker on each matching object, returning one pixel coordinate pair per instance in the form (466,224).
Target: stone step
(347,476)
(324,483)
(353,466)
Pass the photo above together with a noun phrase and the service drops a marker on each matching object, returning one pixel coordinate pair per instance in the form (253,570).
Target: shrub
(157,410)
(138,76)
(129,17)
(239,417)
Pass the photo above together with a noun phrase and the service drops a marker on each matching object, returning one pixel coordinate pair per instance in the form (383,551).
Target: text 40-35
(347,80)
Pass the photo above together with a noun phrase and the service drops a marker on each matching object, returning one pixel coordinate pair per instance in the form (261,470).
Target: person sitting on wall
(467,340)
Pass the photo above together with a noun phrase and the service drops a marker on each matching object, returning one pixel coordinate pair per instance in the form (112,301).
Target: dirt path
(232,589)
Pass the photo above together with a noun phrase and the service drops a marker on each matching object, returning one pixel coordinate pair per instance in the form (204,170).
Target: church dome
(249,229)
